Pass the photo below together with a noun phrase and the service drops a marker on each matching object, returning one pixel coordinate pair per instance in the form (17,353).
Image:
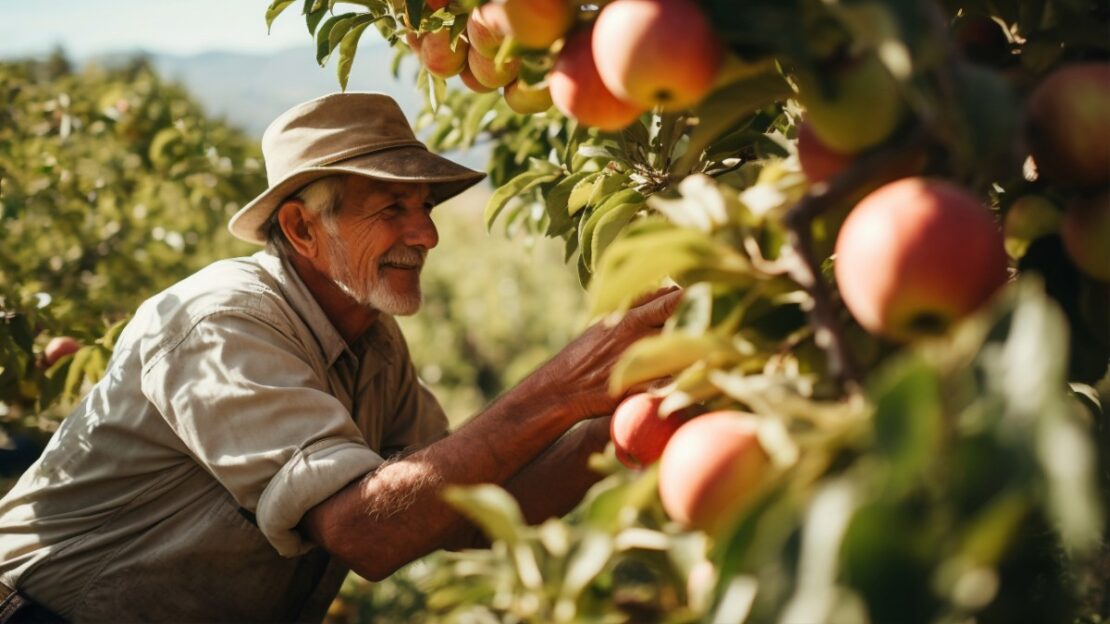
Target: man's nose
(420,229)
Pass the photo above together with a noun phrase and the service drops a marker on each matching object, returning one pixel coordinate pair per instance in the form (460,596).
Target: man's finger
(658,309)
(655,294)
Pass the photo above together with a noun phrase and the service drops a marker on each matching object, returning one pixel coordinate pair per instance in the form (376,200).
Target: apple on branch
(487,71)
(527,99)
(916,255)
(578,92)
(59,347)
(657,53)
(639,432)
(1086,233)
(537,24)
(485,29)
(711,471)
(1069,126)
(437,55)
(852,104)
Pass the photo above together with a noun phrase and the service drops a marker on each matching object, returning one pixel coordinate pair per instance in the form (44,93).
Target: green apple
(1086,234)
(527,99)
(1027,219)
(855,104)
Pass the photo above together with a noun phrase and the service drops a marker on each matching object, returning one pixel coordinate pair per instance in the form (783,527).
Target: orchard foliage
(956,473)
(113,185)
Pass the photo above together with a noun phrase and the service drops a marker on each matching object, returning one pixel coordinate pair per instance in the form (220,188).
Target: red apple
(1069,125)
(577,90)
(819,161)
(471,82)
(59,347)
(489,73)
(639,433)
(657,52)
(438,57)
(485,28)
(413,40)
(435,5)
(710,471)
(981,39)
(1086,234)
(527,99)
(538,23)
(916,255)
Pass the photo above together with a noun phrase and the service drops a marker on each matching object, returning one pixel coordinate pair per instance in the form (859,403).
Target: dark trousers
(15,608)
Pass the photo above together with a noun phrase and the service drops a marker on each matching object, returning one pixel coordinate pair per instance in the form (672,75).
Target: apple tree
(113,184)
(891,221)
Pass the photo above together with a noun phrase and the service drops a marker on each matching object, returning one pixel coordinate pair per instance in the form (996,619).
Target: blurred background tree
(115,183)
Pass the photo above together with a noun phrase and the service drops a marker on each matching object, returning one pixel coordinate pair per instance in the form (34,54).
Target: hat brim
(400,164)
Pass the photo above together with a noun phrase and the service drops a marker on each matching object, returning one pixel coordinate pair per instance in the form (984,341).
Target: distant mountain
(250,89)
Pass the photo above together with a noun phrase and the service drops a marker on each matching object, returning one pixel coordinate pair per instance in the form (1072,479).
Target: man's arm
(551,485)
(395,514)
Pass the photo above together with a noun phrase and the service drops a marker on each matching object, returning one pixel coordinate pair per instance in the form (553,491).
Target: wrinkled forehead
(361,189)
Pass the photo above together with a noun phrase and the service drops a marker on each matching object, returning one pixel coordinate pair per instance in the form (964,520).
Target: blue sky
(86,27)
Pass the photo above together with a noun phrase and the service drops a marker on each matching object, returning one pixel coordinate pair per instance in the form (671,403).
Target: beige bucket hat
(355,133)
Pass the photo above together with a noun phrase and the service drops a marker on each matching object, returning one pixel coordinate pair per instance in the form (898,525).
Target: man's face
(377,243)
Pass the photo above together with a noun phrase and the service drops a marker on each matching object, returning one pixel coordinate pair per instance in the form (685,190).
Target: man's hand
(579,374)
(395,514)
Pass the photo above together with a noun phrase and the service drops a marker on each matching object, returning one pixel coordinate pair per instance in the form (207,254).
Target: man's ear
(300,227)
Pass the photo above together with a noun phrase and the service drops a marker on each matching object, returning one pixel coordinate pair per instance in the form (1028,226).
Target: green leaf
(607,186)
(275,9)
(557,203)
(312,19)
(108,340)
(591,556)
(726,107)
(666,355)
(347,53)
(514,188)
(570,248)
(75,375)
(414,8)
(908,413)
(323,37)
(340,30)
(479,107)
(493,509)
(636,264)
(582,191)
(605,222)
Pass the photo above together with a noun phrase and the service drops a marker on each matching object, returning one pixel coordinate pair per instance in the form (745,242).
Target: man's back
(225,394)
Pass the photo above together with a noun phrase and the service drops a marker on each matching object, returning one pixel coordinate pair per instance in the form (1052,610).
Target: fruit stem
(871,169)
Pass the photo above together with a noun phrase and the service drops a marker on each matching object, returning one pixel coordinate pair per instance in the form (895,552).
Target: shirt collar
(304,304)
(376,341)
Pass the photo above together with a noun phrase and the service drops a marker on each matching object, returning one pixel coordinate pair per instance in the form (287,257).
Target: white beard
(375,292)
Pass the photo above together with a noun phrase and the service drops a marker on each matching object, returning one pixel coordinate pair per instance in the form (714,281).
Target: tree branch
(869,170)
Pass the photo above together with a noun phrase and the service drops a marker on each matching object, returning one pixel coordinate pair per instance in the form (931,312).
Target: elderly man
(260,429)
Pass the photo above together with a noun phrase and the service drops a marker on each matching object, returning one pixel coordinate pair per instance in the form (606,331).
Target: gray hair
(322,197)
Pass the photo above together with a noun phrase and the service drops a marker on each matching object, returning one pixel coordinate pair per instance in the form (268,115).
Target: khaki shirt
(230,407)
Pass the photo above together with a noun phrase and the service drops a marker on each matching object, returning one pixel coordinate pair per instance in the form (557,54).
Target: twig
(874,168)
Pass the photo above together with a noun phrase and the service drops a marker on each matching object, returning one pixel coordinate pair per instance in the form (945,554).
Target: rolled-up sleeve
(247,404)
